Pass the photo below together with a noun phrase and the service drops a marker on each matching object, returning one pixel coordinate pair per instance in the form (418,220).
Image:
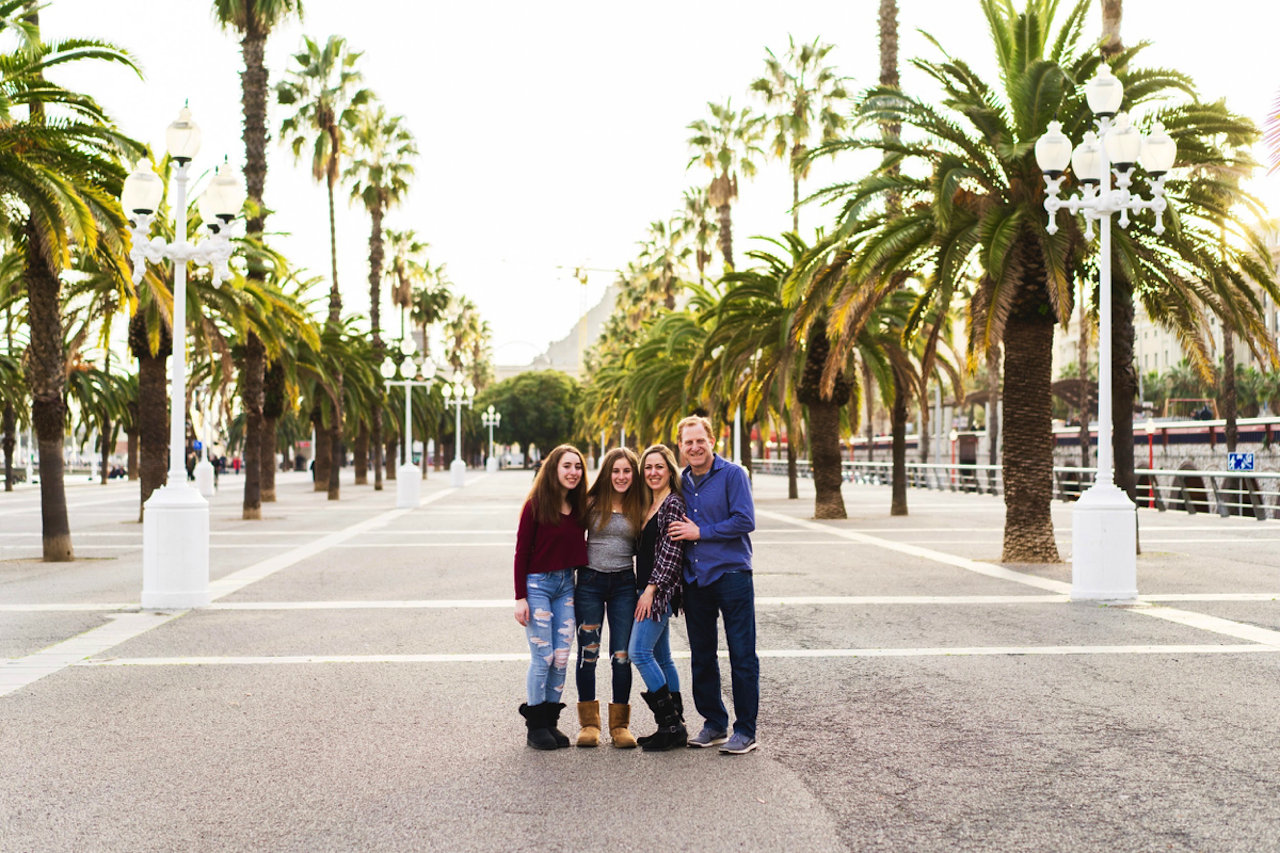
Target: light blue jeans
(650,651)
(550,632)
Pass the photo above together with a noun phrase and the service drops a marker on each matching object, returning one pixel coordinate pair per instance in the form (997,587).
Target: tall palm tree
(324,89)
(379,177)
(695,224)
(254,20)
(726,143)
(808,95)
(62,175)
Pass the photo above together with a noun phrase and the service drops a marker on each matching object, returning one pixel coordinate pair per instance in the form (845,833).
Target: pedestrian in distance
(606,587)
(716,531)
(659,564)
(550,545)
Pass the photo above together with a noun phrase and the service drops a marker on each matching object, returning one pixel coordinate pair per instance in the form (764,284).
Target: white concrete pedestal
(458,473)
(204,478)
(1104,546)
(491,464)
(408,486)
(175,549)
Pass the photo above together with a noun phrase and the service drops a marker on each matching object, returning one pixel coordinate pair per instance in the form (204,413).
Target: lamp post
(458,393)
(175,528)
(1103,521)
(491,419)
(417,374)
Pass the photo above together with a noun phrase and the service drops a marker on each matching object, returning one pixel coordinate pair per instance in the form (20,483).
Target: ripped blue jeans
(602,595)
(550,632)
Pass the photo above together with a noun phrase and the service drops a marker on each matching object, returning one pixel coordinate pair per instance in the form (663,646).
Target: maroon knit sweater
(547,547)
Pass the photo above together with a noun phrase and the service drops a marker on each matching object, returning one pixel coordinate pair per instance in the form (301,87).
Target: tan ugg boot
(589,719)
(619,719)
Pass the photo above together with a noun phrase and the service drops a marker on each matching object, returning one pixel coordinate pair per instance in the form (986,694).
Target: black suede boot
(539,736)
(678,701)
(553,710)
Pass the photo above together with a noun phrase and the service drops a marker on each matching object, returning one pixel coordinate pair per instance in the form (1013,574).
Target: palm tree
(379,177)
(807,93)
(726,144)
(254,20)
(324,89)
(695,224)
(62,177)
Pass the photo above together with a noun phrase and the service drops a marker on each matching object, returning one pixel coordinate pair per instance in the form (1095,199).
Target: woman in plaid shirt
(658,579)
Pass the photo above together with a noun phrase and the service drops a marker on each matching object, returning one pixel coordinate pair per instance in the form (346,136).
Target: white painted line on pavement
(237,581)
(18,673)
(513,657)
(988,569)
(1204,622)
(67,608)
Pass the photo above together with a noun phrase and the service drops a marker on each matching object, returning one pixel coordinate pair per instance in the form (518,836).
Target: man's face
(695,445)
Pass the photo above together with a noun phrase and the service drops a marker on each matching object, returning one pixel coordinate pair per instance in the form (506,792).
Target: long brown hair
(600,496)
(547,493)
(673,472)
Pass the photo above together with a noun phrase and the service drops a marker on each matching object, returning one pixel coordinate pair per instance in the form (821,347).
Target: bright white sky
(553,133)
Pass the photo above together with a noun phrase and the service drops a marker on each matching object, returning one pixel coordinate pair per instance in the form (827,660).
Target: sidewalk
(354,687)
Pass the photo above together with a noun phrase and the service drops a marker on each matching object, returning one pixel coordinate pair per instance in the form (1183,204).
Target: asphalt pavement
(354,687)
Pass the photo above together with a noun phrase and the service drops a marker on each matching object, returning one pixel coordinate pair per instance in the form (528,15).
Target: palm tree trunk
(9,425)
(1124,384)
(391,445)
(251,397)
(153,427)
(725,214)
(871,402)
(104,450)
(1083,360)
(898,502)
(824,451)
(268,460)
(320,470)
(1028,438)
(1112,11)
(46,373)
(793,471)
(375,322)
(335,317)
(336,458)
(1229,396)
(131,465)
(361,462)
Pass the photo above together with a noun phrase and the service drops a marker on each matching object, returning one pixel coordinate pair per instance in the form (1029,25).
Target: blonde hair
(693,420)
(600,495)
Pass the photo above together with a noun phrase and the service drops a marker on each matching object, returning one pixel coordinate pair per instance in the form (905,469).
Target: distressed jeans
(733,596)
(550,633)
(601,594)
(650,651)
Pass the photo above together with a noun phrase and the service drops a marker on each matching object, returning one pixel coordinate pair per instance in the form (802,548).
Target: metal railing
(1254,494)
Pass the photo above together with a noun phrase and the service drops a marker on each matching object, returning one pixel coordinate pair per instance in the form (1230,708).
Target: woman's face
(621,475)
(655,471)
(569,471)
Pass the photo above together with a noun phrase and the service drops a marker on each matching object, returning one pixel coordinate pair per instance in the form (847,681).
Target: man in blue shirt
(717,569)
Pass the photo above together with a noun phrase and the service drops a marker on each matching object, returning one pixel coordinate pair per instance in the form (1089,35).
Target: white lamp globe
(388,368)
(1124,143)
(223,199)
(1086,160)
(1158,151)
(182,138)
(1053,150)
(143,190)
(1104,92)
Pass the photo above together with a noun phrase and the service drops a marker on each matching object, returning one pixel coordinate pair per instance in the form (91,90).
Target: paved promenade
(354,687)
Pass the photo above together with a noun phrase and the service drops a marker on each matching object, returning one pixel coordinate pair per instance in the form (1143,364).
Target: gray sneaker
(708,737)
(739,744)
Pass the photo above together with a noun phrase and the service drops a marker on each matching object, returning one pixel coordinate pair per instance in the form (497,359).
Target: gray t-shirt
(614,548)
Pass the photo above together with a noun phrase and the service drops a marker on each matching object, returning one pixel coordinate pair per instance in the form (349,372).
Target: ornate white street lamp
(458,393)
(175,528)
(1103,522)
(205,481)
(416,374)
(491,419)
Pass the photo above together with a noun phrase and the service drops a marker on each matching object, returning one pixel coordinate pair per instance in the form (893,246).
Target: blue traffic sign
(197,444)
(1239,461)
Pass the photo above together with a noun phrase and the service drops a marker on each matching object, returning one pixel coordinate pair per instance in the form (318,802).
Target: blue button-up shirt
(721,505)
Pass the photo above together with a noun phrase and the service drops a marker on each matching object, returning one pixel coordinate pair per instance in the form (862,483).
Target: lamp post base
(175,550)
(204,479)
(458,473)
(1104,546)
(408,486)
(491,464)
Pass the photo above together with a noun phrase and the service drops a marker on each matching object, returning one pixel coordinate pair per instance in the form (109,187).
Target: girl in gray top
(606,588)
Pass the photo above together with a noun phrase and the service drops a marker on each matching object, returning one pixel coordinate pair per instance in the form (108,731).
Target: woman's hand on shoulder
(522,611)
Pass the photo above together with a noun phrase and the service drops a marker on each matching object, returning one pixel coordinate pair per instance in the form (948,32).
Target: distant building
(567,353)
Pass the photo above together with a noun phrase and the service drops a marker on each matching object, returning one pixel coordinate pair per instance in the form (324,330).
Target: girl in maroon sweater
(550,544)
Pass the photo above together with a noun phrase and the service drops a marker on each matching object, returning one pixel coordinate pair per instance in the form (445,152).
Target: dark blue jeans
(733,596)
(597,595)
